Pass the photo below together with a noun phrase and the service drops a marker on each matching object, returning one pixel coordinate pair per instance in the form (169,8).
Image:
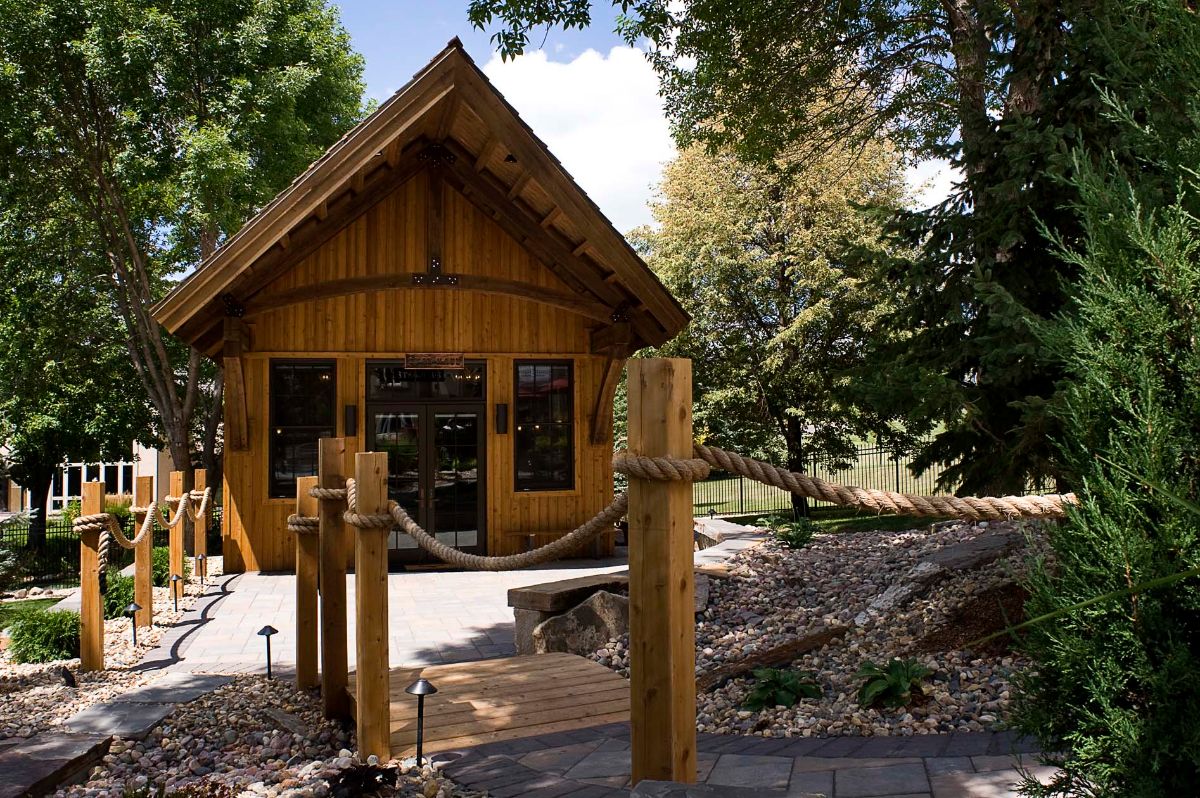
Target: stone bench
(537,603)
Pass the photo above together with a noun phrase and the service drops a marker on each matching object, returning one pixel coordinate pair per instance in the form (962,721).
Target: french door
(435,471)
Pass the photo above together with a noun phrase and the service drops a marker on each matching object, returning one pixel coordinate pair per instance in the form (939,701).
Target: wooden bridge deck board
(503,699)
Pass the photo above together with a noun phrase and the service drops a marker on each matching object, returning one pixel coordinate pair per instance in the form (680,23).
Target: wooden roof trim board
(426,107)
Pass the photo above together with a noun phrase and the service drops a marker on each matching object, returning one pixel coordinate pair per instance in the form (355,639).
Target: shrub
(891,686)
(44,635)
(160,567)
(780,688)
(119,594)
(10,568)
(790,534)
(72,511)
(1116,684)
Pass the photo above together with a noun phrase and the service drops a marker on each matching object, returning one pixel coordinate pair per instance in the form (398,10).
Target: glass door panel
(399,434)
(456,500)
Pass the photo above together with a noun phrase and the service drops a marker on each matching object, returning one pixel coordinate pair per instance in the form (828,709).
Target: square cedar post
(200,530)
(143,554)
(662,635)
(331,471)
(306,589)
(175,540)
(371,613)
(91,610)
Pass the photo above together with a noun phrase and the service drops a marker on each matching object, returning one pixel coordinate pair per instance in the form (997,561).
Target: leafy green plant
(160,567)
(44,635)
(891,686)
(119,594)
(791,534)
(774,687)
(72,511)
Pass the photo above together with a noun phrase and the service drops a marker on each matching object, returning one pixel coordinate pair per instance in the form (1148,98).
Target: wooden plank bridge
(502,699)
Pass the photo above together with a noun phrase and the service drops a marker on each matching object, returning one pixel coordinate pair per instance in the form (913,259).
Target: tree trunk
(793,435)
(39,490)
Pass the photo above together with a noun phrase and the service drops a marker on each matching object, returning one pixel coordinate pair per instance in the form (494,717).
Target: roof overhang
(480,147)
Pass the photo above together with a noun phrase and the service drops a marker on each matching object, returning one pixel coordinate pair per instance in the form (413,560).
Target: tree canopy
(163,125)
(1005,92)
(765,259)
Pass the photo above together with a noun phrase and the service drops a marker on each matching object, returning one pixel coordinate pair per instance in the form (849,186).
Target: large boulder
(584,628)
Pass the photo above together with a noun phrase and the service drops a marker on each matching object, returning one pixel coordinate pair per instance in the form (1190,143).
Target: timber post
(662,634)
(175,540)
(203,524)
(306,589)
(331,471)
(371,613)
(143,554)
(91,609)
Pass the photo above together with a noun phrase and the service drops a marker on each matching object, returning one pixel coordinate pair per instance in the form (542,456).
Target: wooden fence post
(662,635)
(143,555)
(371,613)
(175,540)
(200,530)
(306,589)
(91,610)
(331,471)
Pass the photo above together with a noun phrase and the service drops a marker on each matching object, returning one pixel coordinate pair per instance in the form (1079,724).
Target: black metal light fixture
(266,632)
(175,580)
(420,688)
(133,609)
(712,512)
(202,567)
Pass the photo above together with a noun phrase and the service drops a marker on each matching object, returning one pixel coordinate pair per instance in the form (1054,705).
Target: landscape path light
(266,632)
(175,580)
(132,610)
(420,688)
(202,566)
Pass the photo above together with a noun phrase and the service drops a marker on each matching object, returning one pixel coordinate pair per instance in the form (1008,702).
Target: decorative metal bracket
(233,308)
(435,276)
(436,155)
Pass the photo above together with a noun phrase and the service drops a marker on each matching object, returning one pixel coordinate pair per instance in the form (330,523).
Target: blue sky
(398,37)
(591,98)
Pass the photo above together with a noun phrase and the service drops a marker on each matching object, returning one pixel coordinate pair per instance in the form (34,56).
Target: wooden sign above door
(434,360)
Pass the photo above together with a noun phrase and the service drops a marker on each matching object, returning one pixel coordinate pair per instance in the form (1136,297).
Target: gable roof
(494,158)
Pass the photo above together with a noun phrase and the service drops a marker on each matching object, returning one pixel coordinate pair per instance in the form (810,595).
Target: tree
(1004,91)
(165,123)
(763,258)
(65,380)
(1115,684)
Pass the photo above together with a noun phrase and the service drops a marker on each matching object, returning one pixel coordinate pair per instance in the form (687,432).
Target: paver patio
(434,617)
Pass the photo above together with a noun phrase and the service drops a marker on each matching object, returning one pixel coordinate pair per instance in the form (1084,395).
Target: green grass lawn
(10,609)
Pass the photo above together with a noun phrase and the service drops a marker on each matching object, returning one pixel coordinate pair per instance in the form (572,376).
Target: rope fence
(695,469)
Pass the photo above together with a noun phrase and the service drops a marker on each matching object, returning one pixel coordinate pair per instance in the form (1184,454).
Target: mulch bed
(989,612)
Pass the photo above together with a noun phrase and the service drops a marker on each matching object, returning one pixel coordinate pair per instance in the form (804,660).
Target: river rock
(586,627)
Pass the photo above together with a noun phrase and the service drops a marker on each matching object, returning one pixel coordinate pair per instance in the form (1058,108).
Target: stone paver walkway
(594,763)
(434,617)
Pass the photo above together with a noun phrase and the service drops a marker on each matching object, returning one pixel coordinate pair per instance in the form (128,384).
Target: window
(544,443)
(303,410)
(392,382)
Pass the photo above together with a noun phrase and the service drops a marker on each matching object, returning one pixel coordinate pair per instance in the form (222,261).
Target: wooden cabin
(438,287)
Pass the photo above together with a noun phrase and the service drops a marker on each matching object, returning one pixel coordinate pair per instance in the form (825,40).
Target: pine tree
(1117,683)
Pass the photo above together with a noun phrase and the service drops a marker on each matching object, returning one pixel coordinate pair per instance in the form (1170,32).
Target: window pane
(544,436)
(303,410)
(110,479)
(393,382)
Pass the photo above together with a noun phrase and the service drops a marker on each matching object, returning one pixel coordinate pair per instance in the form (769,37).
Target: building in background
(118,479)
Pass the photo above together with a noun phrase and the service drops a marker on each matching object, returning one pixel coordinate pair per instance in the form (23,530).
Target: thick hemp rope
(396,516)
(986,508)
(675,469)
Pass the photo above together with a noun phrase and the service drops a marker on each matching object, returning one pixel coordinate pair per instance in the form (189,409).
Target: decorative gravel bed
(776,595)
(253,737)
(34,697)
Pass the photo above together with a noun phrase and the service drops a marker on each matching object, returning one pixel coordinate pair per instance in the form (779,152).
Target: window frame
(273,425)
(571,484)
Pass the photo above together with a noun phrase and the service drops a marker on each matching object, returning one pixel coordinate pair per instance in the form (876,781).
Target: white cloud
(602,117)
(931,181)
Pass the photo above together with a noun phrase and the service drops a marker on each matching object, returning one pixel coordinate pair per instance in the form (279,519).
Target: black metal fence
(56,564)
(876,467)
